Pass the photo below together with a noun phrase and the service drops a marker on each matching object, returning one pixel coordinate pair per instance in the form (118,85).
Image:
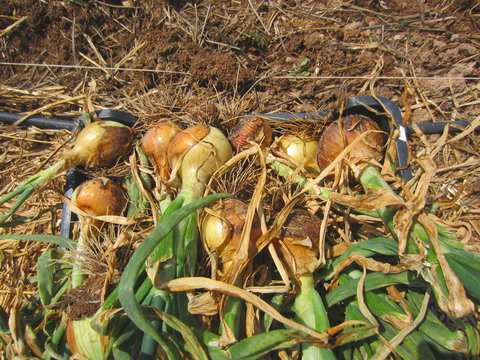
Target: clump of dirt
(84,300)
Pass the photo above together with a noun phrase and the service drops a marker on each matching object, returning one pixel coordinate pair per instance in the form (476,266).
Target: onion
(222,227)
(100,197)
(83,340)
(256,129)
(101,143)
(298,241)
(195,154)
(343,132)
(97,197)
(155,143)
(301,148)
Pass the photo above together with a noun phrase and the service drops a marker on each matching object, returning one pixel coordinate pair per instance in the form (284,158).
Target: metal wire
(89,67)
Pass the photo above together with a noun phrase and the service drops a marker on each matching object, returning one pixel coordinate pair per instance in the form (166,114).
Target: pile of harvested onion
(213,276)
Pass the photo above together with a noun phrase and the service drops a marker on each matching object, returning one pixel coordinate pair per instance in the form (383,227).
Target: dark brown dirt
(224,46)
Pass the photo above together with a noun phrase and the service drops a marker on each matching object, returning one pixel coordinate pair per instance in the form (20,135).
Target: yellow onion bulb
(302,148)
(101,143)
(195,154)
(222,226)
(99,197)
(256,129)
(297,241)
(154,145)
(84,341)
(340,133)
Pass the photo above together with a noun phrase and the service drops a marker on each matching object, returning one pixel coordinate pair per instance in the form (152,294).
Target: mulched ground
(212,61)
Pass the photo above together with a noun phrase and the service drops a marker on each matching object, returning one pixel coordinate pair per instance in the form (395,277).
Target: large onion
(101,143)
(100,197)
(195,154)
(343,132)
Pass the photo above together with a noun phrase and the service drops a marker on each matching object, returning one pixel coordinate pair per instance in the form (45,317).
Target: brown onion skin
(256,129)
(99,144)
(185,140)
(100,197)
(114,145)
(299,237)
(155,143)
(334,139)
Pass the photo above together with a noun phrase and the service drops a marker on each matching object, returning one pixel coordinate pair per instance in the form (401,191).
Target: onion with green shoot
(222,227)
(297,243)
(194,155)
(99,144)
(96,197)
(448,271)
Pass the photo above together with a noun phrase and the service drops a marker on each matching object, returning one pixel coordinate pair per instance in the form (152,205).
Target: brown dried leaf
(196,283)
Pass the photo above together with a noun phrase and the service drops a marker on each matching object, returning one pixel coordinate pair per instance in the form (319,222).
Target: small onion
(195,154)
(100,197)
(302,148)
(298,241)
(101,143)
(222,227)
(155,143)
(255,129)
(343,132)
(97,197)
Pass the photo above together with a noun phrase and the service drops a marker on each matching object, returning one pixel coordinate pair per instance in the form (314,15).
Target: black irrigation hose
(58,124)
(42,123)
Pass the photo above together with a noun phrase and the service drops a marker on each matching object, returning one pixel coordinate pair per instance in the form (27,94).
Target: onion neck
(311,312)
(192,184)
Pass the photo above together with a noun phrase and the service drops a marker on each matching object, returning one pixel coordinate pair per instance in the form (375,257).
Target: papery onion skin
(340,133)
(222,228)
(299,237)
(100,197)
(155,142)
(255,129)
(101,143)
